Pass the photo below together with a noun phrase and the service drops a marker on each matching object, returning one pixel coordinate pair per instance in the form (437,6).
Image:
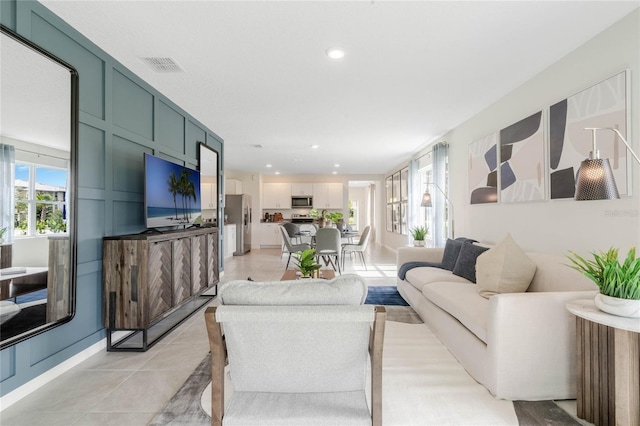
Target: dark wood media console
(152,282)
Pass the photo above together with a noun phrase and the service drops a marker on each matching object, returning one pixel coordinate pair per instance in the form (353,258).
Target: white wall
(558,225)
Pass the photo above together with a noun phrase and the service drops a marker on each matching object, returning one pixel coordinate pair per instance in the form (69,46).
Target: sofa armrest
(418,254)
(531,344)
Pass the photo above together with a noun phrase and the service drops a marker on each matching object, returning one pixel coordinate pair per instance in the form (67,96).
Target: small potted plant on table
(418,233)
(306,263)
(619,283)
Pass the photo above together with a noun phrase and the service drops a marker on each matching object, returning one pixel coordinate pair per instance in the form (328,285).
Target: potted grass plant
(619,283)
(418,233)
(306,262)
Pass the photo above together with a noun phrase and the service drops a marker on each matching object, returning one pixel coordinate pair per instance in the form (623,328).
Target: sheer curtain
(440,223)
(7,174)
(414,217)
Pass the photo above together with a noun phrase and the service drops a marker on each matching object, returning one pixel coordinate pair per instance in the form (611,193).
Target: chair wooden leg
(376,340)
(218,349)
(288,260)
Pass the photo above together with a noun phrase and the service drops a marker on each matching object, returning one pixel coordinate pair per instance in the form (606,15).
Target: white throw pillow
(504,269)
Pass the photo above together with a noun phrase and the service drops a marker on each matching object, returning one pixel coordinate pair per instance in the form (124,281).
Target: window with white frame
(40,199)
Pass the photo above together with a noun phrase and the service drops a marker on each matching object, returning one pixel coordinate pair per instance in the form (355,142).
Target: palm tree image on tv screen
(172,193)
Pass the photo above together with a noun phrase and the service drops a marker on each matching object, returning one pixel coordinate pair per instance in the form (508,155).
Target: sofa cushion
(504,269)
(466,263)
(419,277)
(451,252)
(462,301)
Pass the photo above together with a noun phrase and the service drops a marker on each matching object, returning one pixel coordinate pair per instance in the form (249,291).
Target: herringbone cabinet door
(159,284)
(181,269)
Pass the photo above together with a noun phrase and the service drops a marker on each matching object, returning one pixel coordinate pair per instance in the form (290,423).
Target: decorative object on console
(483,170)
(604,104)
(504,268)
(595,177)
(522,160)
(427,202)
(619,283)
(418,233)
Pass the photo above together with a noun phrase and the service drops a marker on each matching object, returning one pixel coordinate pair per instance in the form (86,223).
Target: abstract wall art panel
(483,170)
(522,160)
(602,105)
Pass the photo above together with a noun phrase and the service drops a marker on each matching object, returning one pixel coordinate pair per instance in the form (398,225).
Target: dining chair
(290,247)
(328,246)
(293,231)
(358,248)
(280,341)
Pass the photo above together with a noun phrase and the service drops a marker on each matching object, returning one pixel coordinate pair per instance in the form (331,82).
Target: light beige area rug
(423,384)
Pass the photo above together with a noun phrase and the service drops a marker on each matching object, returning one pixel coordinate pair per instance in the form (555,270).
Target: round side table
(608,351)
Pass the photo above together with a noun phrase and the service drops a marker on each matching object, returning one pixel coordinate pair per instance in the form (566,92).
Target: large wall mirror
(208,164)
(38,145)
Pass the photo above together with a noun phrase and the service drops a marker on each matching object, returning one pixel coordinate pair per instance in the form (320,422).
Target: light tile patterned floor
(118,388)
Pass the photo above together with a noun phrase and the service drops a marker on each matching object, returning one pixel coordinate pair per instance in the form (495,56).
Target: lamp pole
(453,235)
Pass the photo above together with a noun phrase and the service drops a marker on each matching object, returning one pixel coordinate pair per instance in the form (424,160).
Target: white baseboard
(17,394)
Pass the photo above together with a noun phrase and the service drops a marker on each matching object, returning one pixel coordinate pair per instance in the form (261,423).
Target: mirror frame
(72,191)
(218,186)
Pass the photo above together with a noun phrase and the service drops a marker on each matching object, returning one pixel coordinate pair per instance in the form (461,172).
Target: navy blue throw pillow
(451,252)
(466,263)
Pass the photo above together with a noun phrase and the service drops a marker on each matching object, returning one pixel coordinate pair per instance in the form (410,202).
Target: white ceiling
(256,72)
(35,103)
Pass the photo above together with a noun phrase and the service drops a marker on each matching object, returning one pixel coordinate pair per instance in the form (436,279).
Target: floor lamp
(426,202)
(595,177)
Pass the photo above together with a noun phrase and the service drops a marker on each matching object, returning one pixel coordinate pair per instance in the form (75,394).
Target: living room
(108,205)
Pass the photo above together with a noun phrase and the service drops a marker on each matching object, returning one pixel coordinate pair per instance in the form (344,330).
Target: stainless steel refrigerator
(237,209)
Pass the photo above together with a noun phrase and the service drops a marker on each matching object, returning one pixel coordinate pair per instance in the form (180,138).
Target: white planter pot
(418,243)
(616,306)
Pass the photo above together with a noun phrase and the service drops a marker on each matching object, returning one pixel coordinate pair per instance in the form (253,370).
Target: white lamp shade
(426,200)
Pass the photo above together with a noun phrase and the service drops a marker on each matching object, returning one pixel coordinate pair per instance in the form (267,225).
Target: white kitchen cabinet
(276,196)
(232,186)
(302,189)
(270,235)
(328,195)
(229,239)
(208,195)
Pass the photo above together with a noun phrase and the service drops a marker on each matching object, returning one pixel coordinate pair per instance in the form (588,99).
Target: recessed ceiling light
(336,165)
(268,165)
(335,53)
(277,173)
(315,146)
(334,173)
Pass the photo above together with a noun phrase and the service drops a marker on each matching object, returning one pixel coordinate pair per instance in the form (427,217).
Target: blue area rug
(32,297)
(384,295)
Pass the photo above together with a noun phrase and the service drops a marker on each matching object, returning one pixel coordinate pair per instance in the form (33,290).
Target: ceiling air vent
(162,64)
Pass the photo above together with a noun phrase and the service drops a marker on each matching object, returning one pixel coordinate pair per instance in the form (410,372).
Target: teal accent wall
(121,117)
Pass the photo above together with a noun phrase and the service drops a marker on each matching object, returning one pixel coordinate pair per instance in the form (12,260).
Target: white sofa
(520,346)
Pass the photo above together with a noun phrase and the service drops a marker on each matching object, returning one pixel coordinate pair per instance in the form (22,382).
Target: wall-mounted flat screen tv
(171,193)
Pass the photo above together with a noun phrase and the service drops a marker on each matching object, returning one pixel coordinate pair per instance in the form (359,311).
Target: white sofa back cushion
(553,274)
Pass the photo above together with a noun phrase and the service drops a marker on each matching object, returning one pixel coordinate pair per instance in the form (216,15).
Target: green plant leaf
(612,277)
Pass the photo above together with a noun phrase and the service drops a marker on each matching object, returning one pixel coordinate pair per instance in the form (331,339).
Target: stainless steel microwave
(298,202)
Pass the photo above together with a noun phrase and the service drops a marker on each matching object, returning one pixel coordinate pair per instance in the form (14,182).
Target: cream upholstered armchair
(297,353)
